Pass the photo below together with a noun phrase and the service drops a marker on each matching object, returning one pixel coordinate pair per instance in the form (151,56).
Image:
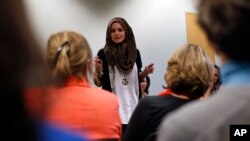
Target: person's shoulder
(157,98)
(137,51)
(185,122)
(224,108)
(197,111)
(101,51)
(104,93)
(224,99)
(150,100)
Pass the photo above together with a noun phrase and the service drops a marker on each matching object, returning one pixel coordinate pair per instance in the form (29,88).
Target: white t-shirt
(128,95)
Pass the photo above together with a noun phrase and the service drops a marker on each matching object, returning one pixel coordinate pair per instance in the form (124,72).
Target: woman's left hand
(149,69)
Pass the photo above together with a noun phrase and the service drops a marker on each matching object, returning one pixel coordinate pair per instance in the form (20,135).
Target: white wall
(159,25)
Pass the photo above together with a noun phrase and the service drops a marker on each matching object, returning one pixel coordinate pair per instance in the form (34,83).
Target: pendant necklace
(125,80)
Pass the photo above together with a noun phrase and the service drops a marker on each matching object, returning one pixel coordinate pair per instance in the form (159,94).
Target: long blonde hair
(69,54)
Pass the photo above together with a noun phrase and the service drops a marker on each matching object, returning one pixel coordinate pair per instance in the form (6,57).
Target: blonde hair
(69,54)
(189,71)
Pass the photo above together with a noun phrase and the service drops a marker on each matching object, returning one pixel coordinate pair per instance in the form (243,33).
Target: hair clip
(67,45)
(58,52)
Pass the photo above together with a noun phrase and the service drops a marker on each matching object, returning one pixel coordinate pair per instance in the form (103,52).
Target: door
(195,35)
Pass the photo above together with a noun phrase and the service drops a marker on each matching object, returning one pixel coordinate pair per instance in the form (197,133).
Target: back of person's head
(189,71)
(69,54)
(226,23)
(19,59)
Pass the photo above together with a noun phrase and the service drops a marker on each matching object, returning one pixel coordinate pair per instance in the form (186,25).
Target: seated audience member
(145,86)
(226,24)
(216,79)
(216,83)
(22,66)
(77,105)
(188,77)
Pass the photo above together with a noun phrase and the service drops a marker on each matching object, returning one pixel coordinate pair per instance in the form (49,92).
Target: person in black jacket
(118,67)
(188,77)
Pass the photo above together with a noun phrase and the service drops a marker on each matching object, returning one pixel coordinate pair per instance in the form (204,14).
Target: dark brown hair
(226,23)
(125,59)
(19,54)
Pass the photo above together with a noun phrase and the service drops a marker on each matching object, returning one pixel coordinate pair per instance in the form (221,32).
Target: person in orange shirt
(76,104)
(184,85)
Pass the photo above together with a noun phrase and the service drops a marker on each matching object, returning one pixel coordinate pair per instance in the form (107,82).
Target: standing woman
(118,67)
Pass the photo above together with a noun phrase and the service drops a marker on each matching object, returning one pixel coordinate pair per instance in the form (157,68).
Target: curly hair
(189,71)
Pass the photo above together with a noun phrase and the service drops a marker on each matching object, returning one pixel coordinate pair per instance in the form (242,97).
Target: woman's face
(117,33)
(143,84)
(216,75)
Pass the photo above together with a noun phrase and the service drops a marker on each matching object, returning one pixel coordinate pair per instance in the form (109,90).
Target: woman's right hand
(98,66)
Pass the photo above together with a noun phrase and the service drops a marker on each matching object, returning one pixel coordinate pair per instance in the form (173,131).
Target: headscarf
(122,55)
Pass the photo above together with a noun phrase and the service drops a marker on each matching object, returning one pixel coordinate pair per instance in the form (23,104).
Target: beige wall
(159,25)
